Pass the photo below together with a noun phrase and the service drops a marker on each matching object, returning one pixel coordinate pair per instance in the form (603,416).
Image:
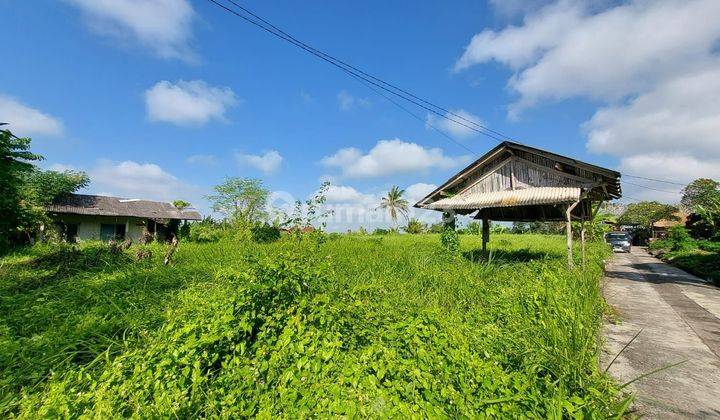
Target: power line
(651,188)
(363,73)
(430,107)
(374,83)
(656,180)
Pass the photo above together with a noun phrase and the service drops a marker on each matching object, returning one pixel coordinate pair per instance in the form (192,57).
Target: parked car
(619,241)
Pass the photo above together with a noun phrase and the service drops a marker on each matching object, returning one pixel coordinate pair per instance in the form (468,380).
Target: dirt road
(679,315)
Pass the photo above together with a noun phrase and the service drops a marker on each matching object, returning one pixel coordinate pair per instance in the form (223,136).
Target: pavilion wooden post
(485,234)
(582,239)
(568,229)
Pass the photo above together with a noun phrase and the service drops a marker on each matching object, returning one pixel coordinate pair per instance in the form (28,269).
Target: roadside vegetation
(698,257)
(695,247)
(344,325)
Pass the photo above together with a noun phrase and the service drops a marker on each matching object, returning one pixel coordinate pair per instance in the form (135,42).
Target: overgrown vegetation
(25,190)
(699,257)
(354,326)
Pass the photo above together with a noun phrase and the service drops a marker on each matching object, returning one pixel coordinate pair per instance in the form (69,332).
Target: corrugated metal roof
(98,205)
(509,198)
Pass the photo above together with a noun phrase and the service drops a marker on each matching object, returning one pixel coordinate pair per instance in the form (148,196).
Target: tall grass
(367,326)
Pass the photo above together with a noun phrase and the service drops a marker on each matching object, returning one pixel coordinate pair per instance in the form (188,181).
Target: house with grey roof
(86,217)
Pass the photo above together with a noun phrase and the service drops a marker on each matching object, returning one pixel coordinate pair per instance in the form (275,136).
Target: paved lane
(679,315)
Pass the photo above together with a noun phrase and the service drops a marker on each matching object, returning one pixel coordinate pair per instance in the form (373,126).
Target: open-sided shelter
(518,183)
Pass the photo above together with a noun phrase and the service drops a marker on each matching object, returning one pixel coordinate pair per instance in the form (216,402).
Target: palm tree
(395,204)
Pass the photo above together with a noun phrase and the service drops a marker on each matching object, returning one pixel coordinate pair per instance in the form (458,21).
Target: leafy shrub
(200,232)
(184,231)
(450,240)
(680,239)
(380,231)
(360,327)
(264,233)
(710,246)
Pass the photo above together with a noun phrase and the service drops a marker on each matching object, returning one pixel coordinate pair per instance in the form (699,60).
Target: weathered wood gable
(512,166)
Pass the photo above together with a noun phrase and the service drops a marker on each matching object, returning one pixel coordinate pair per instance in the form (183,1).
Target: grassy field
(355,326)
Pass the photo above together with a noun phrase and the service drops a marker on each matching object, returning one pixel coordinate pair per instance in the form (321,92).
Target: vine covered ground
(351,326)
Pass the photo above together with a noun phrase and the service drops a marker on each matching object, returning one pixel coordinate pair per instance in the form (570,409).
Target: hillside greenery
(352,325)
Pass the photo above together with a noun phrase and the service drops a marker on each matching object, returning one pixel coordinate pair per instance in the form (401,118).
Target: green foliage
(381,231)
(437,228)
(646,213)
(415,227)
(241,200)
(450,240)
(204,232)
(181,204)
(680,239)
(701,192)
(359,327)
(472,228)
(395,204)
(25,190)
(264,233)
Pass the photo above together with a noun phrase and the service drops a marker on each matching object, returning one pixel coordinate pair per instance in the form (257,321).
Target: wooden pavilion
(518,183)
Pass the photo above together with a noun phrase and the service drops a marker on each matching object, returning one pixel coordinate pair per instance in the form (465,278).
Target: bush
(709,246)
(450,240)
(265,233)
(680,239)
(204,233)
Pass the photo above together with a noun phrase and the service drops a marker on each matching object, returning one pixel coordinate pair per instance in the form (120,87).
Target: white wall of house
(89,226)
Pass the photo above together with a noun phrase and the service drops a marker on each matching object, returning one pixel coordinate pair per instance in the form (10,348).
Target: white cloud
(652,65)
(267,163)
(188,103)
(674,167)
(353,208)
(345,194)
(390,157)
(201,159)
(462,130)
(162,25)
(567,50)
(26,121)
(346,102)
(60,167)
(679,116)
(417,192)
(130,179)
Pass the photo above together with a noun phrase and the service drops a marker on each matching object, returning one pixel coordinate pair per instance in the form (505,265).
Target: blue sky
(163,98)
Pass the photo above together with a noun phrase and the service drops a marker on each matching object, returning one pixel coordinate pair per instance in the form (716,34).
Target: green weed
(355,326)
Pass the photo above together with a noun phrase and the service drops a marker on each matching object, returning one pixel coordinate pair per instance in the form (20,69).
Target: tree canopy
(25,189)
(646,213)
(395,204)
(241,199)
(701,192)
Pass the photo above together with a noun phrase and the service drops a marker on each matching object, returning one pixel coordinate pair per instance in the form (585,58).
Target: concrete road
(679,315)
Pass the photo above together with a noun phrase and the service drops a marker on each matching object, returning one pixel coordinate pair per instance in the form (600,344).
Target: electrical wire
(374,83)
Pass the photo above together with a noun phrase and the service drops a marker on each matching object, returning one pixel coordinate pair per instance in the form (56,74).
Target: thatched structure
(514,182)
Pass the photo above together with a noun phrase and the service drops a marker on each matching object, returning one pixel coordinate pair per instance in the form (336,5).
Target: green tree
(646,213)
(15,163)
(702,197)
(181,204)
(701,192)
(43,187)
(242,200)
(395,204)
(415,227)
(473,228)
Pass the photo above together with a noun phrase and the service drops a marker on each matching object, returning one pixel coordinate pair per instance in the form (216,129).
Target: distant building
(85,217)
(661,227)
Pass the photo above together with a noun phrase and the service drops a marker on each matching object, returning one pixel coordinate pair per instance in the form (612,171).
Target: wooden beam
(485,234)
(582,240)
(568,229)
